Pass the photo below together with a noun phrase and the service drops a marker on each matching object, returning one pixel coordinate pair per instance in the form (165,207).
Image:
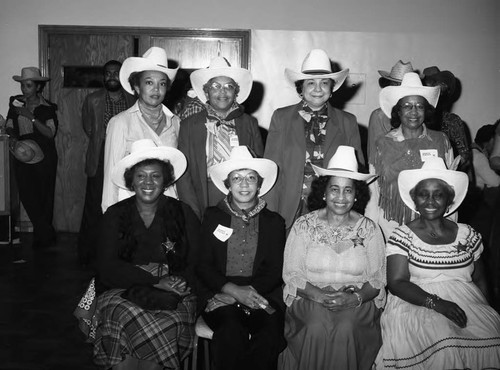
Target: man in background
(98,108)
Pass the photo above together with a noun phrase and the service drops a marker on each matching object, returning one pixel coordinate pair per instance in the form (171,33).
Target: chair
(203,332)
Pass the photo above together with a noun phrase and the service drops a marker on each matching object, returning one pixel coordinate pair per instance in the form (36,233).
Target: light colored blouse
(324,256)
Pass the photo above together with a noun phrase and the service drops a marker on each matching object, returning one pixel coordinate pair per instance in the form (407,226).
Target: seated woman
(437,315)
(240,266)
(334,271)
(146,250)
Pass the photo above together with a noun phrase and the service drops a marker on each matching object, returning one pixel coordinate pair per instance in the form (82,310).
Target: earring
(355,199)
(324,198)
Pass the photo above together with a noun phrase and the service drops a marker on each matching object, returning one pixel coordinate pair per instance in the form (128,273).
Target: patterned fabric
(164,337)
(113,107)
(415,337)
(328,257)
(85,312)
(219,132)
(453,126)
(192,107)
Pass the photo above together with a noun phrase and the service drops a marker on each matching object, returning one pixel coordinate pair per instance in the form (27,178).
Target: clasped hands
(246,295)
(337,300)
(176,284)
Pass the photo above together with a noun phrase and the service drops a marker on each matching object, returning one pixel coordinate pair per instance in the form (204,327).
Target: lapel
(199,145)
(261,242)
(332,132)
(297,134)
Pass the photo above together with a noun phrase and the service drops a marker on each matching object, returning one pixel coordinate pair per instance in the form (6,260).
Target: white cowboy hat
(343,164)
(219,66)
(30,73)
(433,168)
(27,151)
(397,71)
(410,85)
(317,65)
(241,158)
(147,149)
(154,59)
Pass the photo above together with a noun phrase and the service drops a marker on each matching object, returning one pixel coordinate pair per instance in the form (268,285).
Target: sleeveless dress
(415,337)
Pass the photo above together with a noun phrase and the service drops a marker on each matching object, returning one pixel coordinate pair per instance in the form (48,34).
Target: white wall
(460,35)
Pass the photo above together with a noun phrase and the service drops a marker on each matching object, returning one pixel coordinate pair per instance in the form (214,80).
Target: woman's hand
(245,295)
(176,284)
(219,300)
(452,311)
(340,300)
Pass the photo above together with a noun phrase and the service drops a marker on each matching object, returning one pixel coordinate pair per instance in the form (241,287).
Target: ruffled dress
(415,337)
(332,258)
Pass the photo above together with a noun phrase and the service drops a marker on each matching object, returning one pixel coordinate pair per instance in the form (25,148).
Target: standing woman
(240,266)
(32,120)
(148,78)
(307,133)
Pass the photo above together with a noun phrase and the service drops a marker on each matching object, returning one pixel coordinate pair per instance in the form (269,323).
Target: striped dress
(415,337)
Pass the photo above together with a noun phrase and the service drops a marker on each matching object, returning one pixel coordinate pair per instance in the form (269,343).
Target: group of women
(286,268)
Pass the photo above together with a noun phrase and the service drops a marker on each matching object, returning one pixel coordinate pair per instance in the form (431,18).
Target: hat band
(340,169)
(316,72)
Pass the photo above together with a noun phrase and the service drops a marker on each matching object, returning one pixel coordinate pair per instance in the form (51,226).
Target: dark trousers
(92,215)
(36,185)
(231,347)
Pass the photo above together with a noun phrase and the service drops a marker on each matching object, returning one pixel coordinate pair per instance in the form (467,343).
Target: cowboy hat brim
(338,77)
(343,173)
(21,78)
(28,151)
(387,76)
(241,76)
(266,168)
(408,179)
(140,64)
(174,156)
(390,95)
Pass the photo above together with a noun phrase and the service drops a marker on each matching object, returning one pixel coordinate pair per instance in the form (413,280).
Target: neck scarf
(154,117)
(244,214)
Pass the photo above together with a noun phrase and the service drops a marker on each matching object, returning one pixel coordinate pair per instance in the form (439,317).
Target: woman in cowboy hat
(307,133)
(410,107)
(146,248)
(206,138)
(437,315)
(334,273)
(240,266)
(148,78)
(33,119)
(379,124)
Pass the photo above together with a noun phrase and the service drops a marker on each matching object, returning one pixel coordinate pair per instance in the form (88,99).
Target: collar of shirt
(397,134)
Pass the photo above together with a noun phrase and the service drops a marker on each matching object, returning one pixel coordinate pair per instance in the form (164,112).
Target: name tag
(233,140)
(427,153)
(223,233)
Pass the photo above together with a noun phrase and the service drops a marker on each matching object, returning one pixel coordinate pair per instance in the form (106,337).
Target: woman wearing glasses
(240,265)
(206,138)
(409,106)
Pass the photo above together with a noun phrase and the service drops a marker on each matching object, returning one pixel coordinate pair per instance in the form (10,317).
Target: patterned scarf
(245,214)
(220,129)
(315,132)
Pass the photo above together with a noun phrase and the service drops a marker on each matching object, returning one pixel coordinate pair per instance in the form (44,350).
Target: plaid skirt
(165,337)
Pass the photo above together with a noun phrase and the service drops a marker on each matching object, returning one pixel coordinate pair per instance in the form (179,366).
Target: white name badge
(223,233)
(233,140)
(427,153)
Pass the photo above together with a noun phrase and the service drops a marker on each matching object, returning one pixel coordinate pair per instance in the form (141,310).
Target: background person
(307,133)
(207,137)
(334,273)
(148,78)
(98,108)
(33,118)
(437,315)
(240,266)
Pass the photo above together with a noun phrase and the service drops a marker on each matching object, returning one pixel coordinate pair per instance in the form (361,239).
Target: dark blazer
(192,186)
(93,125)
(286,145)
(268,264)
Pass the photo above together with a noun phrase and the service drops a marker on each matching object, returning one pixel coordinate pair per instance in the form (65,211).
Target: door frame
(243,36)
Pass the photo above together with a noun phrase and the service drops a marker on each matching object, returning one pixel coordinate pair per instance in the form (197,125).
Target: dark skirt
(321,339)
(164,337)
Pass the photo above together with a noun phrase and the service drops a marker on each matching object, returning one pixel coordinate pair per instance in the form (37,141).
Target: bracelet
(430,301)
(358,296)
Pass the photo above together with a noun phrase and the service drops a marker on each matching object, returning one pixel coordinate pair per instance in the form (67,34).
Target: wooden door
(69,50)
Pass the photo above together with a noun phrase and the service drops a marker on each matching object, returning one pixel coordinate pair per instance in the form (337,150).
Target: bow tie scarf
(315,132)
(219,139)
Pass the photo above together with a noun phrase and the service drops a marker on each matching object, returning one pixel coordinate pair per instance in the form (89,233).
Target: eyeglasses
(218,87)
(409,106)
(250,178)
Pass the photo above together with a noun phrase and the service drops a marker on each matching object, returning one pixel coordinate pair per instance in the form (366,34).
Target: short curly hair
(166,168)
(396,120)
(318,189)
